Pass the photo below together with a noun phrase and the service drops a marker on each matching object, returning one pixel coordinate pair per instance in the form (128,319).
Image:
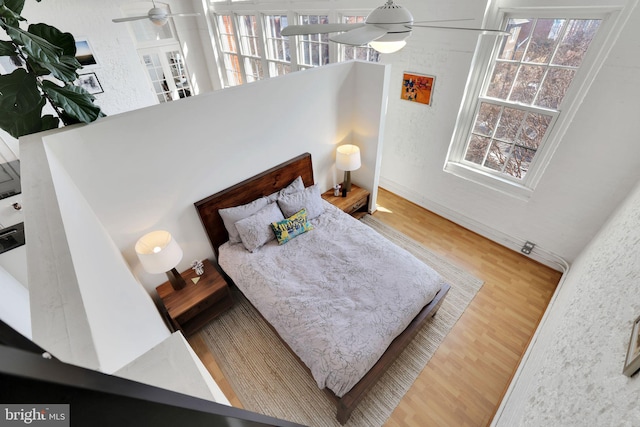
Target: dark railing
(97,399)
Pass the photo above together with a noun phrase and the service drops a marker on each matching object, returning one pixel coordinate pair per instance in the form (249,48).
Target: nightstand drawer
(202,306)
(359,204)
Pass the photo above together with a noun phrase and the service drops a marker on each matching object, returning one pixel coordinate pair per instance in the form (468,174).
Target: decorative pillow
(310,199)
(256,230)
(291,227)
(296,186)
(232,215)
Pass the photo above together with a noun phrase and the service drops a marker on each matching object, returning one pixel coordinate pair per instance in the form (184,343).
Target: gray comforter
(338,295)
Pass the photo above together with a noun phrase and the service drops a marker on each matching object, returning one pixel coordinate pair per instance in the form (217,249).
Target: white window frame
(480,74)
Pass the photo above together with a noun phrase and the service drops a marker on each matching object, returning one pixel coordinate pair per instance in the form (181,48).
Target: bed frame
(273,180)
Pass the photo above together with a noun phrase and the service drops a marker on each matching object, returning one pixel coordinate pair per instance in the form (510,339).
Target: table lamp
(159,253)
(347,159)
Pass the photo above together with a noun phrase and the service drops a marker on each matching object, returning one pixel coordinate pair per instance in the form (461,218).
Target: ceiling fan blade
(298,30)
(130,18)
(360,36)
(443,20)
(480,30)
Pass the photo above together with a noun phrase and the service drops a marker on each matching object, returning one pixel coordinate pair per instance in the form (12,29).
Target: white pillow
(296,186)
(309,199)
(256,230)
(232,215)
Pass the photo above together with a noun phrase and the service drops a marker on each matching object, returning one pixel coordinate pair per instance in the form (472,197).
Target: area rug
(269,380)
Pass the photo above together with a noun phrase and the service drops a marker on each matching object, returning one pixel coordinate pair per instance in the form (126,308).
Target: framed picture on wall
(417,88)
(84,53)
(632,362)
(90,83)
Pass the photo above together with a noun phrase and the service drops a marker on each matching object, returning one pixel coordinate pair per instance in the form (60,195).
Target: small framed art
(417,88)
(84,54)
(90,83)
(632,362)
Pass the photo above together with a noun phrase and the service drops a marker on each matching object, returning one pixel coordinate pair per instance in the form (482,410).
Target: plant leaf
(19,92)
(15,5)
(65,70)
(75,101)
(65,41)
(9,16)
(18,124)
(7,49)
(39,49)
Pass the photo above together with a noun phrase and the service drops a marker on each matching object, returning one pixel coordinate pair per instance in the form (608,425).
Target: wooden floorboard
(463,383)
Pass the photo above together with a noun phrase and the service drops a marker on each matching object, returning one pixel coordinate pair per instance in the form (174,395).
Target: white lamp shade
(348,157)
(158,252)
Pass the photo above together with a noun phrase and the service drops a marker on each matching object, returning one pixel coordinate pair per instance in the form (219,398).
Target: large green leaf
(7,48)
(65,70)
(15,5)
(8,15)
(39,49)
(65,41)
(75,101)
(18,124)
(19,92)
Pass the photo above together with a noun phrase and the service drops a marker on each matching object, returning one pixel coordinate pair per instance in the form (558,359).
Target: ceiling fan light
(158,16)
(387,47)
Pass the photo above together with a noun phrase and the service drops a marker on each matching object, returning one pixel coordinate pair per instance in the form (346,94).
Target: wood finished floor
(463,383)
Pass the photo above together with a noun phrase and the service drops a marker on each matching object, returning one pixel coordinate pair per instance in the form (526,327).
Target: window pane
(543,40)
(247,33)
(314,48)
(225,27)
(510,123)
(503,76)
(533,130)
(527,84)
(498,155)
(514,46)
(576,41)
(277,46)
(554,87)
(477,149)
(486,119)
(519,162)
(253,69)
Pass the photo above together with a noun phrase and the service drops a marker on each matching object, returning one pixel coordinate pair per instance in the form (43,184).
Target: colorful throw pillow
(255,231)
(291,227)
(309,199)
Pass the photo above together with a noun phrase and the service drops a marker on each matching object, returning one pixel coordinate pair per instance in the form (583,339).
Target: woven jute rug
(269,380)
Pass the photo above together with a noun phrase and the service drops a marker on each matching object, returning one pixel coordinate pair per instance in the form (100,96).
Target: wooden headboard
(263,184)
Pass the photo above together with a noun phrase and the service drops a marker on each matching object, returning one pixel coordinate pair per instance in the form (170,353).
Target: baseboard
(514,243)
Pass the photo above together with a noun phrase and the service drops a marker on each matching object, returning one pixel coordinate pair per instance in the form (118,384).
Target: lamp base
(176,280)
(347,181)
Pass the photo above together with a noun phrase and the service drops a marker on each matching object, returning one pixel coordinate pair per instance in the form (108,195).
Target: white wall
(573,374)
(143,170)
(594,168)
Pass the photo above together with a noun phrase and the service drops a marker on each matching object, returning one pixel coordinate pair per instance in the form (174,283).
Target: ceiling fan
(157,15)
(385,29)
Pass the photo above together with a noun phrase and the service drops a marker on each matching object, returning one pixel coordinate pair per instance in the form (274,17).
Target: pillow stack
(284,215)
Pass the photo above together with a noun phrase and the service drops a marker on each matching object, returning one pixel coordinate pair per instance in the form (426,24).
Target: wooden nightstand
(191,307)
(356,203)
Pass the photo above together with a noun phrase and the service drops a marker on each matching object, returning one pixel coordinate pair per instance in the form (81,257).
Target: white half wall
(143,170)
(14,304)
(572,374)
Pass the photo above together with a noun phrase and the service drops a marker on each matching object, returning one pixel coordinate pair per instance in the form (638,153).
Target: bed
(321,291)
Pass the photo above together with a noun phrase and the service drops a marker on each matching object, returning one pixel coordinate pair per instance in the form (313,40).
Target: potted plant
(47,68)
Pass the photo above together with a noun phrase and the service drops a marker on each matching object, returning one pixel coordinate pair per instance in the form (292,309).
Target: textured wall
(575,375)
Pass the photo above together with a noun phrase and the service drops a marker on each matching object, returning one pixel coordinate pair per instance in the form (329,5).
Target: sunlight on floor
(383,209)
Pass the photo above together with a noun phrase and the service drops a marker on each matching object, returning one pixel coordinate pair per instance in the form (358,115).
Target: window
(313,48)
(278,57)
(227,40)
(527,82)
(363,53)
(159,50)
(249,47)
